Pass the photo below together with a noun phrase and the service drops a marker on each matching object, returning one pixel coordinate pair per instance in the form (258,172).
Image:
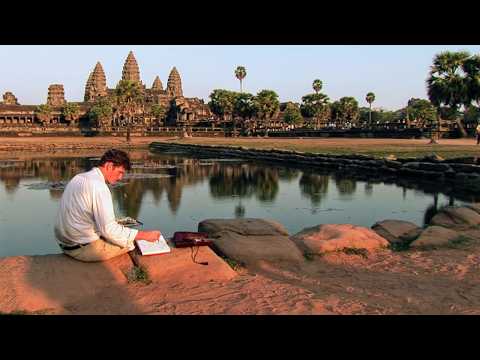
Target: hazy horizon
(395,73)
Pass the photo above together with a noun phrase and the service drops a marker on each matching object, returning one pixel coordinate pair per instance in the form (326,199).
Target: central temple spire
(96,84)
(130,69)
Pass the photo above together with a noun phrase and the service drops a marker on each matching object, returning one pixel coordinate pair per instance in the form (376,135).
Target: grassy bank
(401,148)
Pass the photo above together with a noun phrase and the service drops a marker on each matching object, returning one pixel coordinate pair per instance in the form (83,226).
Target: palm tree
(316,106)
(370,98)
(266,105)
(317,85)
(240,73)
(129,97)
(446,84)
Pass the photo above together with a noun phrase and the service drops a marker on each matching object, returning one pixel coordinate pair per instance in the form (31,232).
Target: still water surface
(173,192)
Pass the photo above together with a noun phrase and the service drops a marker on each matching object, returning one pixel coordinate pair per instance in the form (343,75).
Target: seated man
(86,228)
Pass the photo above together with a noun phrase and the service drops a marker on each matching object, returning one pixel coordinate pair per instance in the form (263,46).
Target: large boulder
(245,227)
(452,217)
(397,231)
(474,206)
(435,236)
(250,241)
(332,237)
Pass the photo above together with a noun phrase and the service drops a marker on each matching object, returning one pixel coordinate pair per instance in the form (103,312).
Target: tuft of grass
(138,275)
(25,312)
(354,251)
(460,242)
(399,247)
(309,256)
(234,264)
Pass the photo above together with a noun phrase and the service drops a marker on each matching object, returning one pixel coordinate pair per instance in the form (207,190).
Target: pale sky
(395,73)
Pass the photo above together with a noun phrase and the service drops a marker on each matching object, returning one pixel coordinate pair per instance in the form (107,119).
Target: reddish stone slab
(178,266)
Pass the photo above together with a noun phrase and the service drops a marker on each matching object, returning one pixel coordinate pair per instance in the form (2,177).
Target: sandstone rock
(178,266)
(434,236)
(465,168)
(331,237)
(250,241)
(474,207)
(397,231)
(433,158)
(434,167)
(36,283)
(391,157)
(246,227)
(456,216)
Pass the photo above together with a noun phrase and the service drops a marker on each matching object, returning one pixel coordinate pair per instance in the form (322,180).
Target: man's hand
(151,236)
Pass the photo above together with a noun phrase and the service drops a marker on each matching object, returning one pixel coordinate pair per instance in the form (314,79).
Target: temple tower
(9,99)
(174,85)
(157,84)
(130,69)
(56,95)
(96,84)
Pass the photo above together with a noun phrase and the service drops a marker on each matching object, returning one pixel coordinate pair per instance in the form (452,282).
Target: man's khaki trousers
(98,250)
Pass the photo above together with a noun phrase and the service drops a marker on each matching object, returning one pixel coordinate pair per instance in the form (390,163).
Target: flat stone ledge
(178,266)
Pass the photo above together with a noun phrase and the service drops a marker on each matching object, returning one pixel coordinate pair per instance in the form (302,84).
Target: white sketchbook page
(151,248)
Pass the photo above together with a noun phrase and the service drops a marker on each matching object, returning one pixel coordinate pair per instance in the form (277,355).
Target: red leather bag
(188,239)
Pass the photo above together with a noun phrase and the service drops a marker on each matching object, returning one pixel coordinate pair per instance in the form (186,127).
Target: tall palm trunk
(240,85)
(370,116)
(433,134)
(463,132)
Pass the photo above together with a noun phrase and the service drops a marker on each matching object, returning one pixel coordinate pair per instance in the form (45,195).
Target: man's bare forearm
(148,235)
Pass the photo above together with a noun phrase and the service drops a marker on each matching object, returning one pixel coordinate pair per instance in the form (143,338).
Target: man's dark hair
(117,157)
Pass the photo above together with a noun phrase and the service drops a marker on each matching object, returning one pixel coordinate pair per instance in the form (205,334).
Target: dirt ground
(442,281)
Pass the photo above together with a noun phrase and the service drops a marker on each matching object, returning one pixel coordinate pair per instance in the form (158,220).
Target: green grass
(138,275)
(460,242)
(25,312)
(399,246)
(354,251)
(309,256)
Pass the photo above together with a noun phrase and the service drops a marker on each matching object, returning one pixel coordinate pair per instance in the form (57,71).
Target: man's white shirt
(86,213)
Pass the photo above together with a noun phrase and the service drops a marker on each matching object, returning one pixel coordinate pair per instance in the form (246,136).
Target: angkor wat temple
(179,110)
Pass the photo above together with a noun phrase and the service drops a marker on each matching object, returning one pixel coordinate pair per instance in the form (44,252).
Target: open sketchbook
(153,248)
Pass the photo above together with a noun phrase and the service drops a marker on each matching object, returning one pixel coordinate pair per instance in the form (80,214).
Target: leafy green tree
(421,111)
(158,111)
(316,106)
(240,74)
(446,84)
(266,105)
(44,113)
(222,104)
(101,112)
(244,107)
(345,111)
(71,112)
(129,99)
(370,98)
(317,85)
(472,116)
(292,115)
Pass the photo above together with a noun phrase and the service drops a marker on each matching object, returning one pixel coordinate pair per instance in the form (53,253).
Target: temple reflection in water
(237,182)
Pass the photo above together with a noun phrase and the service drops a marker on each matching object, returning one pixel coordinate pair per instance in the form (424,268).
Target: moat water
(174,192)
